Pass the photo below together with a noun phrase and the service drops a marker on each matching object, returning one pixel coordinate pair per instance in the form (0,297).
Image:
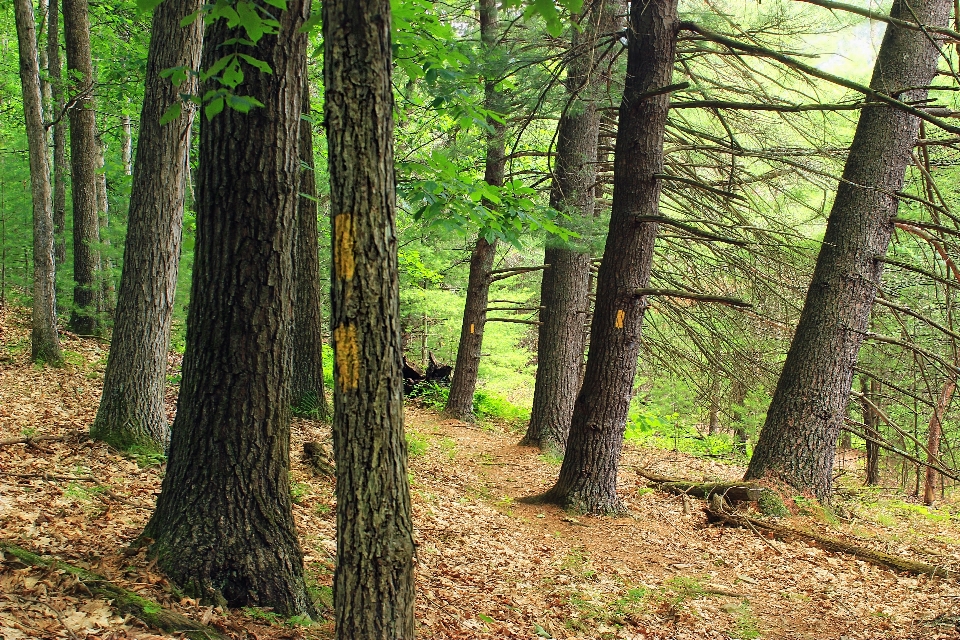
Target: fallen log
(880,558)
(29,440)
(769,501)
(124,601)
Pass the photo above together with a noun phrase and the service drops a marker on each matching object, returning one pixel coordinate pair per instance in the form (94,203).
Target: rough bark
(798,441)
(307,383)
(132,405)
(54,67)
(45,342)
(465,371)
(588,476)
(934,432)
(565,286)
(223,527)
(373,586)
(83,167)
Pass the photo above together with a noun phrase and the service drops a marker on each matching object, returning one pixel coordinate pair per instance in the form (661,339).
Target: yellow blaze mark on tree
(471,327)
(620,316)
(343,245)
(347,352)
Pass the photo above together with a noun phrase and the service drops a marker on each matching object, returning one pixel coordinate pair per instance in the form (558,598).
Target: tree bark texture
(565,286)
(45,342)
(132,405)
(83,168)
(107,300)
(934,432)
(588,476)
(798,441)
(55,69)
(373,586)
(466,369)
(307,383)
(223,527)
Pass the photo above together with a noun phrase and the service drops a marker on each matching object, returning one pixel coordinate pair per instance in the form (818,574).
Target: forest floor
(488,566)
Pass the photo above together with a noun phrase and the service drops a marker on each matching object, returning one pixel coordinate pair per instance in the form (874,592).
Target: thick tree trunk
(872,421)
(464,383)
(59,133)
(307,383)
(83,168)
(588,476)
(45,342)
(798,441)
(934,432)
(373,587)
(132,405)
(566,284)
(223,528)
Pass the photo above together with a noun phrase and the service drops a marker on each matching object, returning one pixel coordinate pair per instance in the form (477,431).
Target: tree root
(835,545)
(769,500)
(124,601)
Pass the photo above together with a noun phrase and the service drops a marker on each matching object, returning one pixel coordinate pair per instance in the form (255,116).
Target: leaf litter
(487,565)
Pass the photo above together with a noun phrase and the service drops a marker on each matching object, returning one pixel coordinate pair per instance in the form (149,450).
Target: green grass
(417,444)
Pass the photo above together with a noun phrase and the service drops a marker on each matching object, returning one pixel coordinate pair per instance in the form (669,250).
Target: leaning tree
(798,440)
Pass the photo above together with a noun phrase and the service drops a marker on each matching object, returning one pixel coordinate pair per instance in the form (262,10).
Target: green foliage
(746,625)
(146,456)
(417,444)
(299,491)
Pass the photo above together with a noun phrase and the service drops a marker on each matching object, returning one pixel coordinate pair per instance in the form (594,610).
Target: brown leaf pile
(487,566)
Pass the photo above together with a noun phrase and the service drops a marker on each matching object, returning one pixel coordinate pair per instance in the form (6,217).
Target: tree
(464,383)
(45,341)
(798,440)
(308,391)
(83,168)
(588,476)
(54,68)
(565,286)
(132,408)
(373,581)
(223,527)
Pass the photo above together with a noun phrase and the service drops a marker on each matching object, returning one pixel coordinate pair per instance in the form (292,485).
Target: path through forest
(488,566)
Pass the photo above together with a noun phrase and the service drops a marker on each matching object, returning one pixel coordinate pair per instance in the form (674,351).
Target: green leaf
(213,108)
(279,4)
(217,67)
(190,19)
(486,618)
(310,23)
(148,5)
(251,21)
(253,62)
(172,113)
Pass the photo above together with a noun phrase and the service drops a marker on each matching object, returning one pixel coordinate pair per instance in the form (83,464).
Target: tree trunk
(872,422)
(127,151)
(132,405)
(45,343)
(934,431)
(464,383)
(738,392)
(307,382)
(566,284)
(798,441)
(223,528)
(107,299)
(83,168)
(373,588)
(59,133)
(588,476)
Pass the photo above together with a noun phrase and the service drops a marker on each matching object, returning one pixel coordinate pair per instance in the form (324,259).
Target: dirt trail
(487,566)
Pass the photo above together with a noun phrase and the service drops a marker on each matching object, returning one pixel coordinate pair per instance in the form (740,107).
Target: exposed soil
(488,566)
